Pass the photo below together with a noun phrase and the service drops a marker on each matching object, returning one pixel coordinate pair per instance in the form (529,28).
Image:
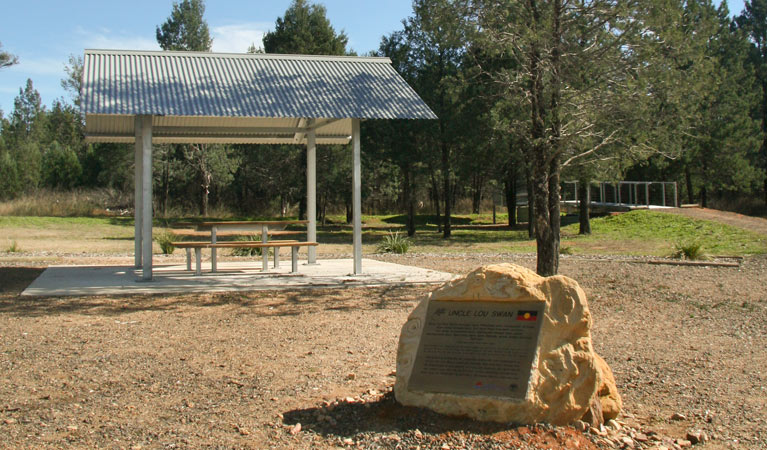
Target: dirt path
(755,224)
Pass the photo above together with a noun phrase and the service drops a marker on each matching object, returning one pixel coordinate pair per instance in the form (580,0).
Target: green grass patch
(655,233)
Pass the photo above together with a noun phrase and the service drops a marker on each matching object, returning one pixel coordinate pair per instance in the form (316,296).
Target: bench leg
(189,259)
(198,261)
(293,259)
(265,259)
(213,262)
(276,257)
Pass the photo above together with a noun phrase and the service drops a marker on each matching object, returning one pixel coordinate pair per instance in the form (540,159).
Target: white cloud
(42,66)
(238,37)
(105,38)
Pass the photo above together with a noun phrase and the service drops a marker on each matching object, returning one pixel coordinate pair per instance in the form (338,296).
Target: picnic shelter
(159,97)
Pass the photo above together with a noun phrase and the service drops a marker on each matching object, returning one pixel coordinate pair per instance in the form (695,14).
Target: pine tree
(753,21)
(186,28)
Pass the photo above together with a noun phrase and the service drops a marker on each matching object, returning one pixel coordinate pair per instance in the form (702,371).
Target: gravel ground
(314,368)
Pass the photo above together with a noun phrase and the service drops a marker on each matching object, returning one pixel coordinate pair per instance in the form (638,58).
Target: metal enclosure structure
(148,98)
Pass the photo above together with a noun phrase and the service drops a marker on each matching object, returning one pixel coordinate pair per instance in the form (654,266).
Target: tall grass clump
(75,203)
(165,240)
(13,247)
(691,251)
(394,243)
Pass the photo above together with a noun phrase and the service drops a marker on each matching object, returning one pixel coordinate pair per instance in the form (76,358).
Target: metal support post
(146,197)
(357,196)
(311,192)
(676,196)
(663,190)
(213,262)
(618,189)
(137,192)
(647,193)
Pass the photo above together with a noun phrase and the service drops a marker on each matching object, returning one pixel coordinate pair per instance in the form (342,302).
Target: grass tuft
(692,251)
(394,243)
(13,247)
(566,250)
(164,239)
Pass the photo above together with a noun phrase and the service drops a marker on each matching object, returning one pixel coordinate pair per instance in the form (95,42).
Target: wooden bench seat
(276,245)
(204,234)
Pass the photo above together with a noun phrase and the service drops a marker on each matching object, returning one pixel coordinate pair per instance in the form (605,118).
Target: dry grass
(78,203)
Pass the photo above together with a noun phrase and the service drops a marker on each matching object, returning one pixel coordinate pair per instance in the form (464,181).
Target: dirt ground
(314,368)
(244,370)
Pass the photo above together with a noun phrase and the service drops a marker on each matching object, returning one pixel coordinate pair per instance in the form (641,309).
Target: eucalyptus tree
(213,166)
(437,44)
(305,29)
(567,53)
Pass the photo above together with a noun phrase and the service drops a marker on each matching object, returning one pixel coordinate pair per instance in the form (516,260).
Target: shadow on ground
(257,303)
(398,426)
(384,415)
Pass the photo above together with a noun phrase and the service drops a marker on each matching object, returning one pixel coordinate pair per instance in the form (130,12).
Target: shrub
(566,250)
(164,239)
(60,167)
(394,243)
(690,251)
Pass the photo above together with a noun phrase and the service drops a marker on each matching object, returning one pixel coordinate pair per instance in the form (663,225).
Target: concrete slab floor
(231,276)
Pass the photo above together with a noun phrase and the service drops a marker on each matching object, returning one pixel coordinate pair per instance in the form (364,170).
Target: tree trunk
(583,207)
(546,148)
(165,185)
(688,183)
(436,200)
(447,191)
(478,182)
(510,191)
(530,204)
(409,202)
(206,177)
(302,184)
(764,139)
(703,190)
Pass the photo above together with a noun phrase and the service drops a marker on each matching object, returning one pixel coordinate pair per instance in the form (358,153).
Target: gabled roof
(240,86)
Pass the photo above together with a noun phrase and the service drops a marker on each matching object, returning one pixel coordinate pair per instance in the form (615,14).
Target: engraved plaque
(477,348)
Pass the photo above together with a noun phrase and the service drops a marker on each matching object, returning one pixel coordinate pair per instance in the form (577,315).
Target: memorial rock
(504,344)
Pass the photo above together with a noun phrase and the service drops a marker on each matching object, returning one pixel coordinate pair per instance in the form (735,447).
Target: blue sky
(43,33)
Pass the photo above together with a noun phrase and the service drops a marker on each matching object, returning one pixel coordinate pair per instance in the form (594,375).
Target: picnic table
(265,227)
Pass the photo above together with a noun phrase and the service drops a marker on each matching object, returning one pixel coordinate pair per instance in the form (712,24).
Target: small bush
(164,239)
(394,243)
(13,247)
(566,250)
(689,251)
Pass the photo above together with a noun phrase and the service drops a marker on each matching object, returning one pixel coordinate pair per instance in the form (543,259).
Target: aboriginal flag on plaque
(527,316)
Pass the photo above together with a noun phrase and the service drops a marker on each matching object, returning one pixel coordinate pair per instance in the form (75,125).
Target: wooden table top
(235,223)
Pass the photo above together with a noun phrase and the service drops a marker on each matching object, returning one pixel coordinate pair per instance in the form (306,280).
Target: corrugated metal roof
(118,82)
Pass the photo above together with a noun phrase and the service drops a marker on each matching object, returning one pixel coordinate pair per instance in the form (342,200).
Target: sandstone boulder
(566,374)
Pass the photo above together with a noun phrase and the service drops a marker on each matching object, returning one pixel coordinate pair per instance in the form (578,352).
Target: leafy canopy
(305,29)
(185,29)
